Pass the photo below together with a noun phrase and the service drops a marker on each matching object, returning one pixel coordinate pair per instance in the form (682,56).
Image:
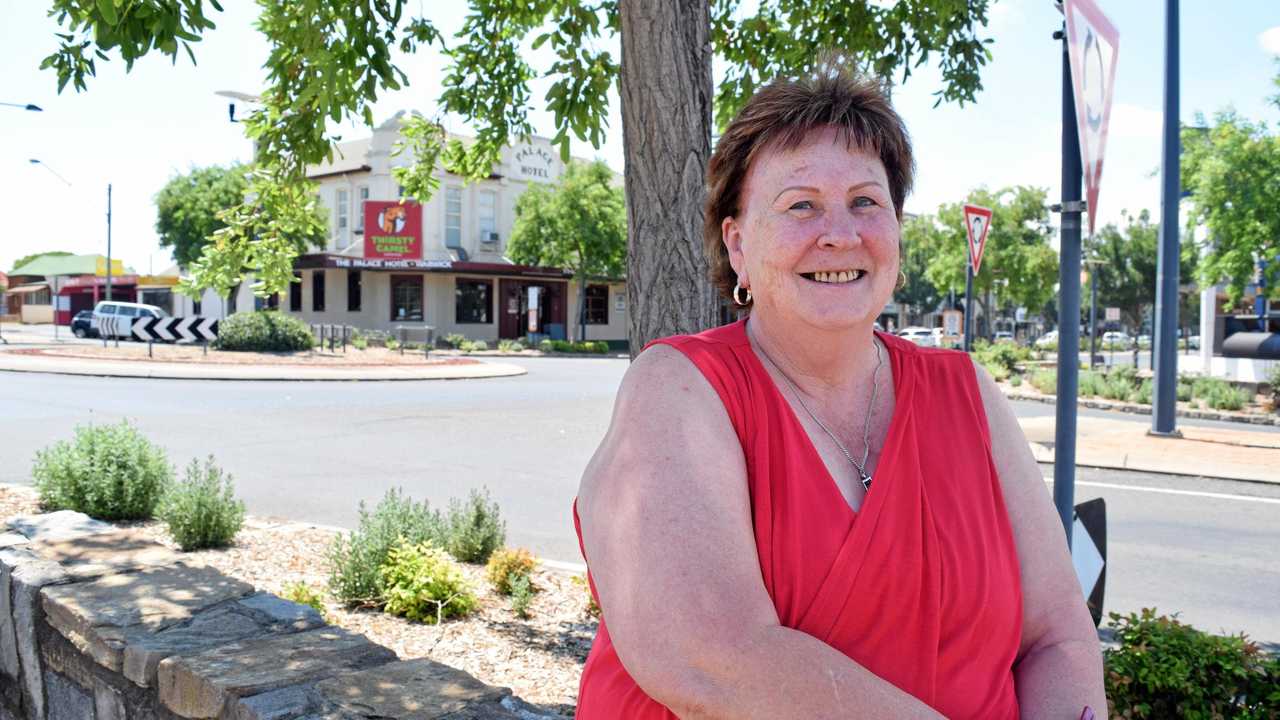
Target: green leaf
(108,10)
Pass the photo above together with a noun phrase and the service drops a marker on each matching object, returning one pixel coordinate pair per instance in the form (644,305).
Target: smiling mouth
(835,278)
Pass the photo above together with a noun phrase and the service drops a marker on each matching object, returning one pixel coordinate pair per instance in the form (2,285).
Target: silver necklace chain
(866,424)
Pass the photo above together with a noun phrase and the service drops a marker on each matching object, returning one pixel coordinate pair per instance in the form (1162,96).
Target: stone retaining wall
(100,623)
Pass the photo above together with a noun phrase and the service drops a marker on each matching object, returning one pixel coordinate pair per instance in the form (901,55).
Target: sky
(136,130)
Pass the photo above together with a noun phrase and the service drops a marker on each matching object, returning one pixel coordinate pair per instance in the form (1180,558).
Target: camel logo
(393,219)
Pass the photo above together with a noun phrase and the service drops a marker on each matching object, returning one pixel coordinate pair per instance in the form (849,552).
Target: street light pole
(41,163)
(108,241)
(1164,348)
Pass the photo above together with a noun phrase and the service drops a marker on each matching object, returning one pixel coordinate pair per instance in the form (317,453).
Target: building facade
(391,264)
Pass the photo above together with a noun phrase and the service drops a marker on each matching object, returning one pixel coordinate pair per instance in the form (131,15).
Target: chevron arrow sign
(189,329)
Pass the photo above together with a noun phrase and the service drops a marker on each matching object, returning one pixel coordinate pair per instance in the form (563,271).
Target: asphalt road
(312,451)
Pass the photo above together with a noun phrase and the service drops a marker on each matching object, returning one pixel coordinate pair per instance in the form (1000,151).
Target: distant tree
(1233,174)
(188,208)
(24,260)
(918,293)
(1019,267)
(1126,273)
(579,223)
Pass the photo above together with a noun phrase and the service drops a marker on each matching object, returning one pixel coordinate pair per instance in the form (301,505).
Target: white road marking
(1168,491)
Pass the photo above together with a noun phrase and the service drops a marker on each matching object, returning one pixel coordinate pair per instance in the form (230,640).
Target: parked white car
(123,311)
(1117,338)
(1047,339)
(921,336)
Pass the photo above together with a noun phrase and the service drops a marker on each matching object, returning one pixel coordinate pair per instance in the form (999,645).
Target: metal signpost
(1164,345)
(977,223)
(1090,45)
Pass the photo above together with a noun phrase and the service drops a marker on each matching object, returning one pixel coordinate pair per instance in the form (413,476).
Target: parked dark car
(82,325)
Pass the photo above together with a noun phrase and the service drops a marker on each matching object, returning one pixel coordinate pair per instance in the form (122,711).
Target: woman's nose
(841,231)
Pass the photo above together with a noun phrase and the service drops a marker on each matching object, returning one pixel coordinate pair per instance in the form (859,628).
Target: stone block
(62,524)
(67,701)
(286,703)
(219,625)
(9,539)
(205,684)
(104,553)
(26,578)
(411,690)
(10,558)
(102,617)
(108,703)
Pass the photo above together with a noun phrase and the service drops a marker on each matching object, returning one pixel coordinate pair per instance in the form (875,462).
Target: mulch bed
(540,658)
(352,358)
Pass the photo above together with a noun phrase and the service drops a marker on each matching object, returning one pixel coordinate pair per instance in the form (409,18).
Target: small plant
(110,472)
(1091,384)
(264,331)
(592,608)
(474,528)
(1273,379)
(1046,381)
(355,559)
(392,344)
(1165,669)
(479,346)
(202,510)
(506,564)
(521,595)
(1016,381)
(455,340)
(304,594)
(422,584)
(1001,359)
(1184,390)
(1226,397)
(1144,393)
(360,342)
(546,346)
(510,346)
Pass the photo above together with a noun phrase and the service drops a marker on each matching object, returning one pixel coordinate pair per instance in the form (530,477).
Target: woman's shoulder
(725,336)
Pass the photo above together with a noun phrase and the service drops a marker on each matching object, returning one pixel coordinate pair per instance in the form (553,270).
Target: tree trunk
(666,121)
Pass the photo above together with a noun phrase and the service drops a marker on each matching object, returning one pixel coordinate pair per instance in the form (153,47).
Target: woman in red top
(794,516)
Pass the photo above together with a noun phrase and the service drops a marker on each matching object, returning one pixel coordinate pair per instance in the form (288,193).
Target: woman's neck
(819,362)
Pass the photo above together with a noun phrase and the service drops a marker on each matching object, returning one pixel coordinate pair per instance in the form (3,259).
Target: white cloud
(1134,121)
(1270,40)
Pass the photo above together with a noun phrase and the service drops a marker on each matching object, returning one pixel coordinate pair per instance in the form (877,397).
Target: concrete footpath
(450,369)
(1231,454)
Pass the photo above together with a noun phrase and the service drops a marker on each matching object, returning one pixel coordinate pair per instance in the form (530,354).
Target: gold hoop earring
(902,280)
(738,287)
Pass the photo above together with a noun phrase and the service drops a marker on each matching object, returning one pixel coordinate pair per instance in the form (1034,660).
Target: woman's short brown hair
(781,115)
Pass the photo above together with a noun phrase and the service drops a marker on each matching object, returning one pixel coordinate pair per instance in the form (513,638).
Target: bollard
(205,343)
(403,335)
(333,338)
(149,349)
(345,329)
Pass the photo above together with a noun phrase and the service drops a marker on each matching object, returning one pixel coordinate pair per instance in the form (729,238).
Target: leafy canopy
(1127,267)
(579,223)
(1019,267)
(188,206)
(330,60)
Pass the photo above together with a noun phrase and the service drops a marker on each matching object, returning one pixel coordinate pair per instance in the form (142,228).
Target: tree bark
(666,94)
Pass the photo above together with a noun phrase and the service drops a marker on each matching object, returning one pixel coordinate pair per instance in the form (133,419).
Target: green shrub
(505,565)
(1165,669)
(392,344)
(1046,381)
(546,346)
(264,331)
(474,529)
(1273,379)
(1120,384)
(455,340)
(510,346)
(360,342)
(304,594)
(1003,355)
(201,510)
(422,584)
(1184,390)
(355,559)
(479,346)
(1226,397)
(1016,381)
(1205,387)
(1144,393)
(521,595)
(1091,384)
(110,472)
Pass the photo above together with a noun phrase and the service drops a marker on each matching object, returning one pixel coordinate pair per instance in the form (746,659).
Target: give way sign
(977,222)
(1092,43)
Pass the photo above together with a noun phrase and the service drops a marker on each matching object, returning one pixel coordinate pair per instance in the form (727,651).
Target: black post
(108,243)
(1064,449)
(968,306)
(1164,348)
(1093,315)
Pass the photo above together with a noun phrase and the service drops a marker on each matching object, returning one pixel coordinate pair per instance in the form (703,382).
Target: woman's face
(816,237)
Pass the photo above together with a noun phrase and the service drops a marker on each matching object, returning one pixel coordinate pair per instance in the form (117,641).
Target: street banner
(1113,314)
(1092,45)
(1089,552)
(392,230)
(977,223)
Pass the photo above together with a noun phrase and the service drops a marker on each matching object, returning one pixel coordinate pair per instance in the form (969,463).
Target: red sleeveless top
(920,585)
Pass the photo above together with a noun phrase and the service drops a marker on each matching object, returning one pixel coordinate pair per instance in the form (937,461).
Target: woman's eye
(864,201)
(802,205)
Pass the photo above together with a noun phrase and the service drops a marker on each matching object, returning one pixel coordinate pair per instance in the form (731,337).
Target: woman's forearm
(778,672)
(1056,681)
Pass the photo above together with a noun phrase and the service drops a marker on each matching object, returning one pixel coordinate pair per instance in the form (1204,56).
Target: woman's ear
(731,235)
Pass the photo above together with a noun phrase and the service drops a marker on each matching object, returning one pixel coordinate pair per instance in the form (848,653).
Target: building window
(473,301)
(595,306)
(487,215)
(406,297)
(362,196)
(353,291)
(317,291)
(295,293)
(453,216)
(344,212)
